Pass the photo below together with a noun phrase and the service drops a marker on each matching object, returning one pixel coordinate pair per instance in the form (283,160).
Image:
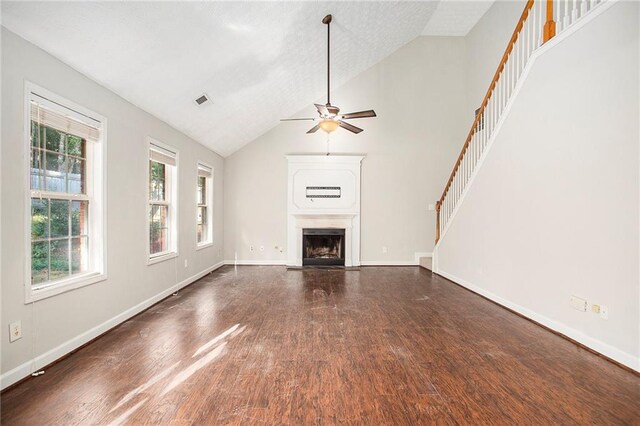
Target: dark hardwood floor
(393,345)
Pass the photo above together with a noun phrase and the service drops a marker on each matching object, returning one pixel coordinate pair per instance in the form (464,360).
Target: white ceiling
(258,61)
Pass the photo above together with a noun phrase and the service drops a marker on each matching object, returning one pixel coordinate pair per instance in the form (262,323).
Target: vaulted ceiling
(258,61)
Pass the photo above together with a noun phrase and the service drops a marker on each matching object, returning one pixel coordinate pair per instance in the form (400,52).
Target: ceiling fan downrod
(327,21)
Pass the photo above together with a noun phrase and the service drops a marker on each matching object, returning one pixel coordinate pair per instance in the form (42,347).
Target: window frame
(172,193)
(209,181)
(96,195)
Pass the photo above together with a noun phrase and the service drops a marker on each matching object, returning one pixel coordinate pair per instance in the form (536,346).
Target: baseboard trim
(256,262)
(388,263)
(362,263)
(24,370)
(608,351)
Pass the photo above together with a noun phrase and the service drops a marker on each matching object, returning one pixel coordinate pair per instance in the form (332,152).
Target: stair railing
(540,21)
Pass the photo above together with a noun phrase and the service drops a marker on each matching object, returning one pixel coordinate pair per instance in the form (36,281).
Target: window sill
(200,246)
(62,286)
(162,257)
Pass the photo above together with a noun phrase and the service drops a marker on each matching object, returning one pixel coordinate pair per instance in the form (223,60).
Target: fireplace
(323,247)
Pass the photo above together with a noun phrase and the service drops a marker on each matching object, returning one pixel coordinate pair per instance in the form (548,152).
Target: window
(162,202)
(204,218)
(65,201)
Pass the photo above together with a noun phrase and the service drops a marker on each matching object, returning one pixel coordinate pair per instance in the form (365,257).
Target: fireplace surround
(323,193)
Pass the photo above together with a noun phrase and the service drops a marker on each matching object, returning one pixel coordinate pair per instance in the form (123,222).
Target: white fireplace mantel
(324,192)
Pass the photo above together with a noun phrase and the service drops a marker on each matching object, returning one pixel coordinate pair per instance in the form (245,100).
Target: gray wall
(418,94)
(56,320)
(554,209)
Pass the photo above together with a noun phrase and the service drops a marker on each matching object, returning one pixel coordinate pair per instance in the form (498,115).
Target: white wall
(554,209)
(484,46)
(418,94)
(62,318)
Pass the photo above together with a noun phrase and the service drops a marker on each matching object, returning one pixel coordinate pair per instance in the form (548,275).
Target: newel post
(550,25)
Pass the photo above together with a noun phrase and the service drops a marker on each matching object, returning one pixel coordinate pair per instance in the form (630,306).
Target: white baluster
(452,192)
(507,81)
(521,51)
(468,167)
(501,86)
(472,155)
(447,201)
(466,180)
(515,59)
(483,132)
(533,22)
(540,24)
(575,12)
(559,16)
(494,104)
(513,65)
(514,62)
(584,7)
(474,152)
(531,36)
(490,116)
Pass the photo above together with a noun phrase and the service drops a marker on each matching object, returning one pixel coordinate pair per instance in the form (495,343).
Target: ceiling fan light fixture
(329,118)
(329,125)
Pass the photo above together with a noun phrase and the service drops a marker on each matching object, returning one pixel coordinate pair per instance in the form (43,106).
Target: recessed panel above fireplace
(323,247)
(324,190)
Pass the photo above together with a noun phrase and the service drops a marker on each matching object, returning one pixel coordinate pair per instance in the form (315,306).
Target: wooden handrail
(492,86)
(485,101)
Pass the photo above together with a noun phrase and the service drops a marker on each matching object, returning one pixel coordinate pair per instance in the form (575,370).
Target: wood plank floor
(263,345)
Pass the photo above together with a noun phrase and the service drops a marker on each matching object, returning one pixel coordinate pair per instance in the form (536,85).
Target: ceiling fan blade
(314,129)
(360,114)
(349,127)
(297,119)
(322,110)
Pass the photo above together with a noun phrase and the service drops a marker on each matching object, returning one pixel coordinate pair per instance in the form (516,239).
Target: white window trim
(210,205)
(97,180)
(173,206)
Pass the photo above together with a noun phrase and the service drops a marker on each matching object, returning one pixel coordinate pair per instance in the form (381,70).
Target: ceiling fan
(330,117)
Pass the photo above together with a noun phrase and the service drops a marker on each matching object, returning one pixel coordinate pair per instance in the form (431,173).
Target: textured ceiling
(456,17)
(258,61)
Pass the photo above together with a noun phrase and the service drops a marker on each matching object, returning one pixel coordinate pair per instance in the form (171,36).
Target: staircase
(540,21)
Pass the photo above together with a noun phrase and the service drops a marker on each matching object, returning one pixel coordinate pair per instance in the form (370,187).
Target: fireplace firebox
(323,247)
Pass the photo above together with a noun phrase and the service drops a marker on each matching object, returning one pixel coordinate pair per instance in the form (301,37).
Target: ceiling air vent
(202,99)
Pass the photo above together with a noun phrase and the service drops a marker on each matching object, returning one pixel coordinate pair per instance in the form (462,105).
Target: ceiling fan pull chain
(328,136)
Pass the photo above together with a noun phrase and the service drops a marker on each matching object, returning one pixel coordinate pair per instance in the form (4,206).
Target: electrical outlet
(261,248)
(384,249)
(250,248)
(186,263)
(15,331)
(578,304)
(604,312)
(595,309)
(431,207)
